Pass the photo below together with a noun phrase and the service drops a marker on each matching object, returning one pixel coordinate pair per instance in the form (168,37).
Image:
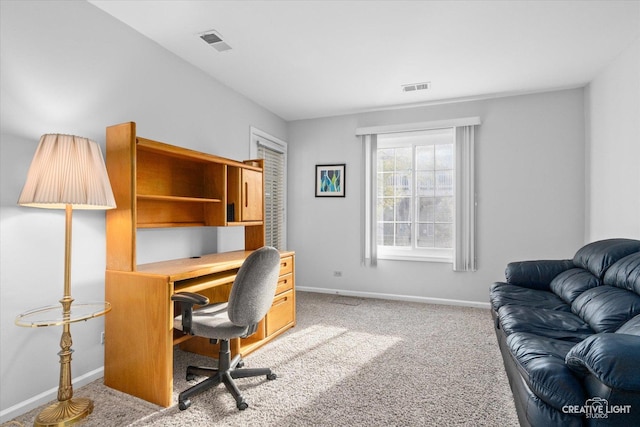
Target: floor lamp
(67,172)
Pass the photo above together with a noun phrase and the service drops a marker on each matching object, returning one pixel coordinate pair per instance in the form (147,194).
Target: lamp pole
(67,410)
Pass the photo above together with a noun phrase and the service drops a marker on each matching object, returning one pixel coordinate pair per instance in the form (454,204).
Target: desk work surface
(186,268)
(139,329)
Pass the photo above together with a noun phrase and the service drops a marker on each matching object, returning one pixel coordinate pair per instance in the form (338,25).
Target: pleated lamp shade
(67,170)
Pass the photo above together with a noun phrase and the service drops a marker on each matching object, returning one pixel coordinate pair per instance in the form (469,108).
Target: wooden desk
(139,334)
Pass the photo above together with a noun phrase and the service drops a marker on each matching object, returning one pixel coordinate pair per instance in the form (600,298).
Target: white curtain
(369,255)
(464,257)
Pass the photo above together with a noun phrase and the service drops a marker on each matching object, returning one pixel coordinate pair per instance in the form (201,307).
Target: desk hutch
(158,185)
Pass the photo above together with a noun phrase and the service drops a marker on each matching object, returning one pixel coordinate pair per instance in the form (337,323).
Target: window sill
(393,257)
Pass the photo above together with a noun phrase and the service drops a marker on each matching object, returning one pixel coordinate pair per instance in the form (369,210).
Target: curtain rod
(408,127)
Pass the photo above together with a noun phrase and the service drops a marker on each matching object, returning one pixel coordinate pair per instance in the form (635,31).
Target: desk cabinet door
(252,201)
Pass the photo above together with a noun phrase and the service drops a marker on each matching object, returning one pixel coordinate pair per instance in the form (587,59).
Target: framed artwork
(330,180)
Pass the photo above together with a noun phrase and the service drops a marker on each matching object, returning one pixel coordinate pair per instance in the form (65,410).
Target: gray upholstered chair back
(254,287)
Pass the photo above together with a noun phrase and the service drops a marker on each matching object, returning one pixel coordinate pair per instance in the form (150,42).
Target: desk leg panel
(139,336)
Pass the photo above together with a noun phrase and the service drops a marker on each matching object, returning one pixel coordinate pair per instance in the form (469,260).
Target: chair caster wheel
(240,364)
(271,376)
(190,377)
(242,405)
(184,404)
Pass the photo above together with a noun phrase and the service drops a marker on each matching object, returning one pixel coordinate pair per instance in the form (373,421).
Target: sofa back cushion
(625,274)
(632,327)
(535,274)
(598,256)
(569,284)
(605,308)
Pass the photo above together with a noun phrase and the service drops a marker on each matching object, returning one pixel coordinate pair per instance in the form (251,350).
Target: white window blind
(274,187)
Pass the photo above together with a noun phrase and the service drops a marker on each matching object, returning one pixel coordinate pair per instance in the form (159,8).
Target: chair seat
(212,321)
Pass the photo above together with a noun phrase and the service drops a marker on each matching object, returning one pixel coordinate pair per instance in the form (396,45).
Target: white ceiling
(307,59)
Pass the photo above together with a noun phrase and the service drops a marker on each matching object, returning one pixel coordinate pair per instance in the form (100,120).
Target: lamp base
(64,413)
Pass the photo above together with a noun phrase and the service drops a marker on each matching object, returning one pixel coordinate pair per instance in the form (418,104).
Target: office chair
(251,298)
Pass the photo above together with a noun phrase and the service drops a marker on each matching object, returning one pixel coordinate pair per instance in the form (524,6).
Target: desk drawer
(281,312)
(284,283)
(286,265)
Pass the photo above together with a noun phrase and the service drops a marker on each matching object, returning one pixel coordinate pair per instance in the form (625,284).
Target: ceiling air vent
(213,38)
(416,86)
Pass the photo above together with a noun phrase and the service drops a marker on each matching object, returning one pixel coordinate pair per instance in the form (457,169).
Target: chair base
(227,371)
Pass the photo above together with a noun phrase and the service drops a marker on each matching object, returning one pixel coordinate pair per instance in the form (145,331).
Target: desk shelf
(202,283)
(177,199)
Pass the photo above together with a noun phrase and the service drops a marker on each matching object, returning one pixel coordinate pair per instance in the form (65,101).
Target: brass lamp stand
(66,408)
(66,172)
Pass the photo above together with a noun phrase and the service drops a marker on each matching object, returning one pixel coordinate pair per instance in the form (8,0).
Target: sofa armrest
(535,274)
(611,358)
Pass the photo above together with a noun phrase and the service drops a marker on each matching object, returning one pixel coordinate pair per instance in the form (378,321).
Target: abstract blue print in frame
(330,180)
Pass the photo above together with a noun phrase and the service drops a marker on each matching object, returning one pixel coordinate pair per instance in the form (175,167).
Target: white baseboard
(426,300)
(47,396)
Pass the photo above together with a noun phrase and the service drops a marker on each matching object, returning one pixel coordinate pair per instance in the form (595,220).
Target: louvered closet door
(274,187)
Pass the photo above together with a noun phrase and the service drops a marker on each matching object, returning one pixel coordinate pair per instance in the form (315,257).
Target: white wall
(613,108)
(68,67)
(530,181)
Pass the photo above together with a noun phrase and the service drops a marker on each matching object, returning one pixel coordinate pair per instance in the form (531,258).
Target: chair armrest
(190,298)
(187,300)
(611,358)
(535,274)
(250,331)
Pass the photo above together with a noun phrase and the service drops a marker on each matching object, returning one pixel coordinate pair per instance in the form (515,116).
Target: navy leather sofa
(569,333)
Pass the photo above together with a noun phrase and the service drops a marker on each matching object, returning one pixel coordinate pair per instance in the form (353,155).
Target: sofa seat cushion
(502,294)
(556,324)
(541,362)
(570,284)
(606,308)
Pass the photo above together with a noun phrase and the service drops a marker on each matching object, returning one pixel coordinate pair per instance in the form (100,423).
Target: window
(419,192)
(274,153)
(415,194)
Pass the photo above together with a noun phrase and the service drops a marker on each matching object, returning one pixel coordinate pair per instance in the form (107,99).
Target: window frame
(414,252)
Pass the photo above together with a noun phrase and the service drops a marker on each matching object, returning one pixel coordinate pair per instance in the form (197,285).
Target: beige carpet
(348,362)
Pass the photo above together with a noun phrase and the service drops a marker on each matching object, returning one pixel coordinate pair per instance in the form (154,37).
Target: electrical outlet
(337,274)
(102,337)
